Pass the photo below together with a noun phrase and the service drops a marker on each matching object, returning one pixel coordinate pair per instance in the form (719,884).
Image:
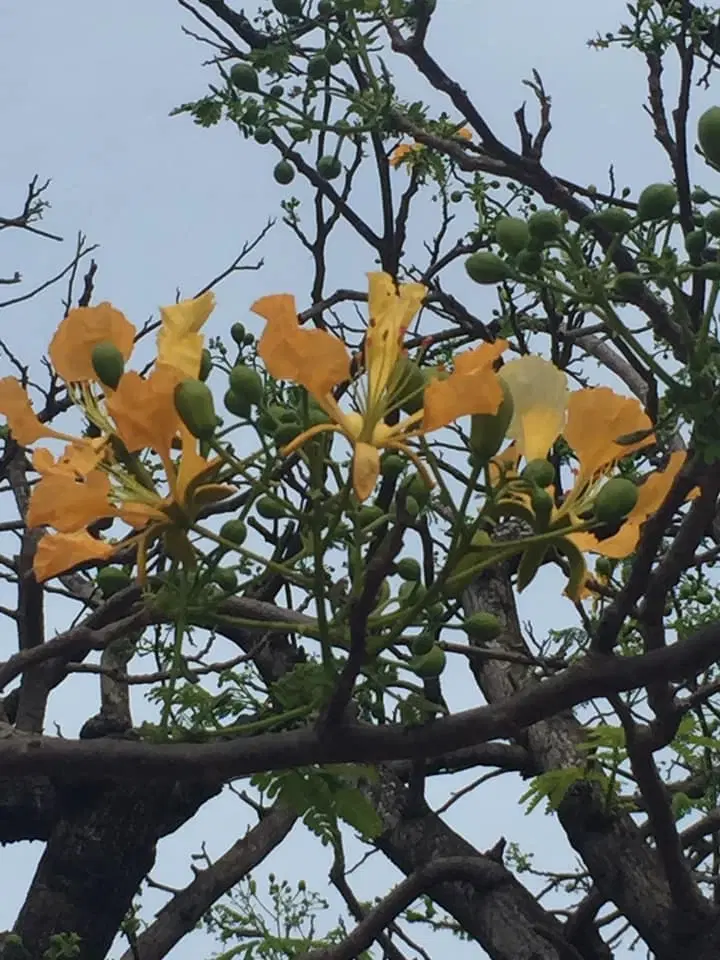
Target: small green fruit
(270,508)
(194,403)
(334,52)
(483,627)
(369,514)
(615,500)
(329,167)
(237,404)
(512,234)
(422,644)
(412,507)
(488,430)
(226,579)
(286,433)
(613,219)
(391,466)
(704,597)
(628,285)
(111,580)
(712,223)
(205,365)
(657,202)
(237,332)
(234,531)
(325,8)
(244,77)
(247,383)
(529,262)
(300,134)
(108,363)
(416,488)
(603,566)
(545,226)
(695,242)
(456,196)
(430,664)
(411,385)
(486,267)
(539,472)
(408,568)
(284,172)
(699,195)
(263,135)
(708,131)
(318,67)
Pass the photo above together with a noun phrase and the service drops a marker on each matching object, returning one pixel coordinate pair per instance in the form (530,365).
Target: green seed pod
(604,566)
(712,222)
(456,196)
(263,135)
(539,472)
(488,430)
(334,52)
(284,172)
(391,466)
(695,242)
(226,579)
(545,226)
(699,195)
(412,507)
(628,285)
(234,531)
(613,219)
(657,202)
(408,568)
(286,432)
(318,67)
(512,234)
(369,514)
(244,77)
(194,403)
(615,500)
(708,132)
(430,664)
(529,262)
(300,134)
(276,91)
(270,508)
(237,404)
(111,580)
(329,167)
(422,644)
(411,385)
(542,506)
(486,267)
(416,488)
(325,8)
(483,627)
(205,365)
(247,383)
(704,597)
(108,363)
(237,332)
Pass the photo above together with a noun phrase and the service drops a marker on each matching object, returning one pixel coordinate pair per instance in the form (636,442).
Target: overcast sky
(86,91)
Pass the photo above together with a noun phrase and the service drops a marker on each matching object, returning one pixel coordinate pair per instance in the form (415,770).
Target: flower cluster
(101,476)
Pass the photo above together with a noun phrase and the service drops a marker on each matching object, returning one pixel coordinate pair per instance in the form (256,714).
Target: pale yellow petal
(365,470)
(179,342)
(540,397)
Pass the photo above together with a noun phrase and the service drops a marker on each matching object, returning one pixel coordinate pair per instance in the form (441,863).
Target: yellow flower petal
(392,310)
(144,410)
(80,332)
(315,359)
(365,470)
(15,406)
(193,468)
(473,387)
(139,515)
(67,504)
(79,458)
(179,341)
(597,418)
(401,152)
(58,552)
(540,398)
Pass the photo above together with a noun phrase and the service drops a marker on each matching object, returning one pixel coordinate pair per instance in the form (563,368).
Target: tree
(287,596)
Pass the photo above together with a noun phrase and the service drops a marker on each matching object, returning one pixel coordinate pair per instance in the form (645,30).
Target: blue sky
(171,204)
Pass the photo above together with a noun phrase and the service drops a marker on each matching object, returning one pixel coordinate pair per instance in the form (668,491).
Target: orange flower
(144,409)
(23,422)
(179,341)
(58,552)
(319,361)
(402,151)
